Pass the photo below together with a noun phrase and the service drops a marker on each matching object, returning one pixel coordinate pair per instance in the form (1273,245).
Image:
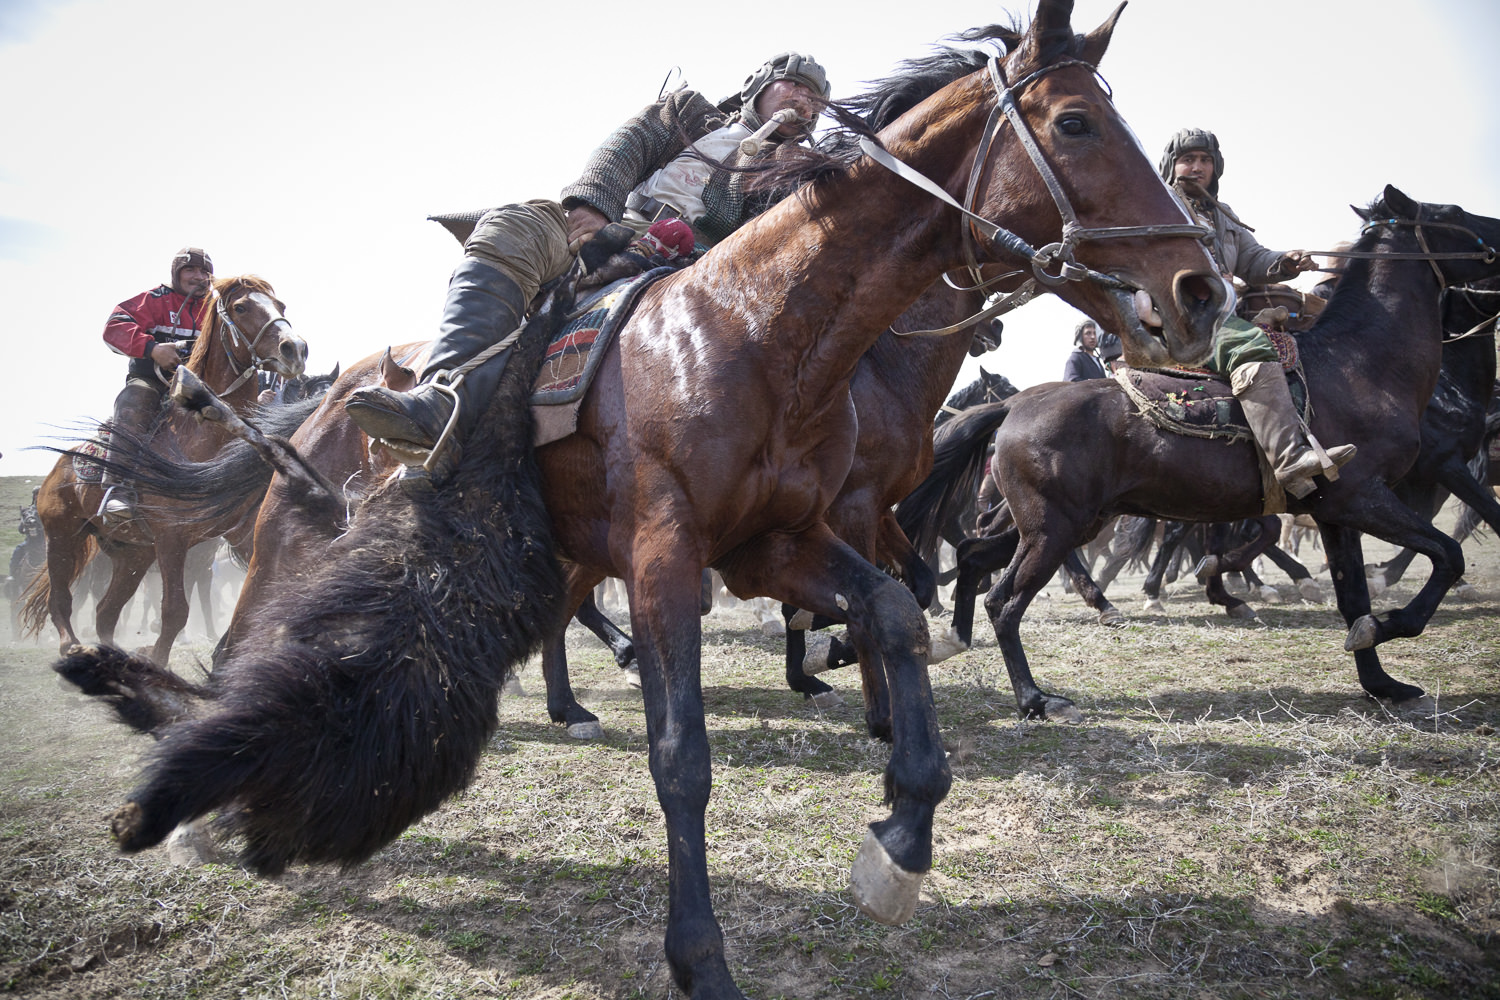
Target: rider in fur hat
(1192,164)
(644,172)
(155,330)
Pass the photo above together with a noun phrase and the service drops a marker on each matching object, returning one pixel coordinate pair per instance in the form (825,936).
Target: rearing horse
(717,432)
(245,333)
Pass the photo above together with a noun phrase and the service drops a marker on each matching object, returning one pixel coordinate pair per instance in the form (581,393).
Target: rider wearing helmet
(1192,164)
(155,329)
(645,172)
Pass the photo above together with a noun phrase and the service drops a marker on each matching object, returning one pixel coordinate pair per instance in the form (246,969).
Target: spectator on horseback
(1192,164)
(651,173)
(155,330)
(1082,363)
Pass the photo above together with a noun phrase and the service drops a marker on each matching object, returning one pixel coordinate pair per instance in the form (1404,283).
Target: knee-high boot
(484,307)
(135,407)
(1262,391)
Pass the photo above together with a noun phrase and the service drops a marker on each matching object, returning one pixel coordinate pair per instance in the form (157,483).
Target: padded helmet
(1189,139)
(785,66)
(190,257)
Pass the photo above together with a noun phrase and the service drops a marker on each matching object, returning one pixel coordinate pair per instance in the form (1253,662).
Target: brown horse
(717,432)
(1070,455)
(245,332)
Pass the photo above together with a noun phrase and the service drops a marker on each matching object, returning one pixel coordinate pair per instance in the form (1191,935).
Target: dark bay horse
(244,333)
(1068,456)
(717,433)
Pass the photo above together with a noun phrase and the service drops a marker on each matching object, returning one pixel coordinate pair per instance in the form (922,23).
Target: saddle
(574,355)
(1199,403)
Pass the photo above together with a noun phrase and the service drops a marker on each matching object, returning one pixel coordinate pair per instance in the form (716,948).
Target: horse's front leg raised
(1346,566)
(814,570)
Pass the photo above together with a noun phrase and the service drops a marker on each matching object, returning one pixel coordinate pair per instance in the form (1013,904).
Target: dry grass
(1233,820)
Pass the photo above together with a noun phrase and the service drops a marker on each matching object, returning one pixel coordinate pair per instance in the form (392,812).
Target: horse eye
(240,307)
(1073,125)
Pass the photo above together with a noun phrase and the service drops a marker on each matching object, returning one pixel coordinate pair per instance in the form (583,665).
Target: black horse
(1069,455)
(1453,425)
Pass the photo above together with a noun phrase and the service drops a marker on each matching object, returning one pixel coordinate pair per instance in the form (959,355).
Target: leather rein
(1061,253)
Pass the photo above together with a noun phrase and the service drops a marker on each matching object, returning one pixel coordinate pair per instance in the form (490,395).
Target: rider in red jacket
(153,330)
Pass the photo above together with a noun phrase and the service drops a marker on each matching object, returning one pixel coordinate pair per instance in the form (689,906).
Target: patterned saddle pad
(574,355)
(97,446)
(1198,403)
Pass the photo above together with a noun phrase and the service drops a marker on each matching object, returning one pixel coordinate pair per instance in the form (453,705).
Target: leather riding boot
(135,407)
(1262,391)
(483,306)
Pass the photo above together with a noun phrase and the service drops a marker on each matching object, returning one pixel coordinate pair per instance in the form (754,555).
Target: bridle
(1061,253)
(1483,252)
(237,339)
(1485,327)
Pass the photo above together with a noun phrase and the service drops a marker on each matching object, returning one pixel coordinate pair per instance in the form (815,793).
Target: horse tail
(144,696)
(1139,535)
(371,700)
(37,597)
(209,491)
(959,449)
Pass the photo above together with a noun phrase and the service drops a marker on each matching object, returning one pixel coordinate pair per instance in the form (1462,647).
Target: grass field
(1232,820)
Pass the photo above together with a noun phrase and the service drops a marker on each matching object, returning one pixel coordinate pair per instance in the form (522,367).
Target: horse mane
(1352,292)
(223,287)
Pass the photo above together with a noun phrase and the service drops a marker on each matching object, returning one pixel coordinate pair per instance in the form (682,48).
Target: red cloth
(159,316)
(672,238)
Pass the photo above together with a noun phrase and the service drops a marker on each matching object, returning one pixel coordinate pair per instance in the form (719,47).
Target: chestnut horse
(243,334)
(1070,456)
(717,432)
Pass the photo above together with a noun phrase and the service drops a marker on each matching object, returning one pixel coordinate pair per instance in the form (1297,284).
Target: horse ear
(1096,41)
(1399,202)
(395,376)
(1053,20)
(335,372)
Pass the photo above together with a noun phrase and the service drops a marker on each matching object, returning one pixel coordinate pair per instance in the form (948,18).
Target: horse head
(1114,241)
(246,332)
(1463,244)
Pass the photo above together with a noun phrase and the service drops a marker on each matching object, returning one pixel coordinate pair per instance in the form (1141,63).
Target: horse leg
(898,551)
(1033,565)
(1306,585)
(1211,569)
(171,559)
(816,570)
(1166,553)
(62,564)
(1091,592)
(1346,564)
(978,557)
(798,679)
(591,618)
(562,704)
(128,565)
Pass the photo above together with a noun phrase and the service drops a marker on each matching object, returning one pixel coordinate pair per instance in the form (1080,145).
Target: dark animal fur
(371,702)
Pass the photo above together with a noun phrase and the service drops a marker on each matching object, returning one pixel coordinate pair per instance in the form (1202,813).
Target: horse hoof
(1310,591)
(592,730)
(816,659)
(1270,595)
(884,890)
(1207,568)
(1241,612)
(827,700)
(190,846)
(1154,606)
(512,688)
(1064,711)
(801,621)
(946,645)
(1376,584)
(772,627)
(1112,617)
(1362,634)
(632,677)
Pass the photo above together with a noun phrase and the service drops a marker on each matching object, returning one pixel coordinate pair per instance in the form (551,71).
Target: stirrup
(447,388)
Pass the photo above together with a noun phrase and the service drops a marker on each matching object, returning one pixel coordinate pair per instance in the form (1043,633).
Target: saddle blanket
(574,355)
(1196,403)
(97,446)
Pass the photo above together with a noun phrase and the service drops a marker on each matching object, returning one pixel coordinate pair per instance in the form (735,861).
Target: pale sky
(306,141)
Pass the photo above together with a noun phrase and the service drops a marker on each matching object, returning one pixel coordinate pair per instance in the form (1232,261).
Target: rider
(1193,164)
(154,330)
(646,171)
(1082,364)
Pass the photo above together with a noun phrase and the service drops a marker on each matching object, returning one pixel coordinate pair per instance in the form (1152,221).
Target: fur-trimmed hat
(190,257)
(1185,141)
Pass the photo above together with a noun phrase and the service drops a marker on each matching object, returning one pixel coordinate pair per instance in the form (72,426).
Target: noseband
(1061,253)
(237,339)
